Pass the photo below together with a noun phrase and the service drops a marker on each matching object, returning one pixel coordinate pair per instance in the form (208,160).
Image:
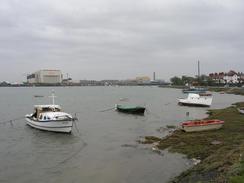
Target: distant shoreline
(222,90)
(81,85)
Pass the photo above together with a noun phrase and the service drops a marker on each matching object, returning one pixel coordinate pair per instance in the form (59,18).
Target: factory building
(45,77)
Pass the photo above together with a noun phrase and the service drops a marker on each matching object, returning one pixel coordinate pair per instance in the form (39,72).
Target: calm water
(103,148)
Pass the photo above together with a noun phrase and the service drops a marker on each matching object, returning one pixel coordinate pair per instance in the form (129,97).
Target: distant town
(230,78)
(51,77)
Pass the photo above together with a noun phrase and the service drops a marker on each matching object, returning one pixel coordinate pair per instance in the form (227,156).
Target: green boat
(130,109)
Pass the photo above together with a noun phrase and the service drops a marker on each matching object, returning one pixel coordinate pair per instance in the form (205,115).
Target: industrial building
(45,77)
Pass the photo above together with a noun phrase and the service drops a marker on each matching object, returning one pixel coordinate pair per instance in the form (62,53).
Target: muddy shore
(218,154)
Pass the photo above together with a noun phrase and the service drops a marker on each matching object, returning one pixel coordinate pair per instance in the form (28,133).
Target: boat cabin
(40,110)
(193,96)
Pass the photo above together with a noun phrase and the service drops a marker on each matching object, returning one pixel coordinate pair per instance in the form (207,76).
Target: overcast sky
(120,39)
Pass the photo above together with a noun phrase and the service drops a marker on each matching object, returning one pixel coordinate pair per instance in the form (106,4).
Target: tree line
(203,80)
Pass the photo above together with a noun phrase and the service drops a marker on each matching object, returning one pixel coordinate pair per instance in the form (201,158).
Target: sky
(120,39)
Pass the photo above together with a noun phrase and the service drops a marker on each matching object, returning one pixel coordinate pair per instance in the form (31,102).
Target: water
(103,148)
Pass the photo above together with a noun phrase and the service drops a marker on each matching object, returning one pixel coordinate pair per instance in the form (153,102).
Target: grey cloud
(108,38)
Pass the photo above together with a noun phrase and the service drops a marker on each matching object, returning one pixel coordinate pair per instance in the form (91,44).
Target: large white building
(45,77)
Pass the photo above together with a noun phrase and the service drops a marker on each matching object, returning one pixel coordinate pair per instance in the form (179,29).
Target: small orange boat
(201,125)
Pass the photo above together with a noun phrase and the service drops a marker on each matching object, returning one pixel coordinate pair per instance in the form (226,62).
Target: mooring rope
(107,109)
(76,128)
(11,120)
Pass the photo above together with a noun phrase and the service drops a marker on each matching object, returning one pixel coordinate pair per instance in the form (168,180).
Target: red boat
(201,125)
(205,94)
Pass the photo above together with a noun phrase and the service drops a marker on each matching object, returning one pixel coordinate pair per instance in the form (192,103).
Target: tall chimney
(198,63)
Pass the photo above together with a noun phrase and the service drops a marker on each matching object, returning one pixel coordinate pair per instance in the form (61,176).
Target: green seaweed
(171,126)
(150,140)
(228,90)
(219,162)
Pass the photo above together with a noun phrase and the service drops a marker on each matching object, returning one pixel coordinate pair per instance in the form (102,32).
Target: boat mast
(198,63)
(198,72)
(53,97)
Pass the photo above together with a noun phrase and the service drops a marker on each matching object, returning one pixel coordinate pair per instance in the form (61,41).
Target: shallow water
(103,147)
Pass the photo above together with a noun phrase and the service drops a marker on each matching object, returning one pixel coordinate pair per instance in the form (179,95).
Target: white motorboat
(50,118)
(194,99)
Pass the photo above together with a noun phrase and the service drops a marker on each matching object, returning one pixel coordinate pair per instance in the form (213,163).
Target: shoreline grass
(235,90)
(220,162)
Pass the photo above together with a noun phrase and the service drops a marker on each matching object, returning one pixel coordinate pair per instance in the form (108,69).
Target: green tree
(187,79)
(176,81)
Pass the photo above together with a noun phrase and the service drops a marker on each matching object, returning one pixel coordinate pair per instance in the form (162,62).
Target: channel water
(103,145)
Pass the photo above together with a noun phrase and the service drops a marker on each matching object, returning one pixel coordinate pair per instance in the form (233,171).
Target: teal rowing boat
(130,109)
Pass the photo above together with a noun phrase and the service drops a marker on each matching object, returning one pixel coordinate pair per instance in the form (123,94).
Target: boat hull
(196,100)
(201,128)
(136,110)
(53,126)
(194,104)
(241,111)
(202,125)
(193,91)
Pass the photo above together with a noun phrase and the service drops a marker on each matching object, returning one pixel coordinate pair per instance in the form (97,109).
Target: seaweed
(220,151)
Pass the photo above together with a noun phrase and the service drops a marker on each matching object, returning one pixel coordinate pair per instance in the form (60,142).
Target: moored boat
(50,118)
(201,125)
(205,94)
(194,99)
(38,96)
(130,109)
(241,110)
(194,90)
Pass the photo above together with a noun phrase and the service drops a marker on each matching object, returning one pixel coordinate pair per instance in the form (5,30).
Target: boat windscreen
(50,109)
(57,109)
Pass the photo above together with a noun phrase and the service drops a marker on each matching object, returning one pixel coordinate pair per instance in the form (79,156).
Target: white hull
(195,103)
(241,111)
(202,128)
(54,126)
(196,100)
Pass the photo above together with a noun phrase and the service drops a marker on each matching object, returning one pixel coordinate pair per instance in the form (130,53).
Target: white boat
(241,110)
(194,99)
(50,118)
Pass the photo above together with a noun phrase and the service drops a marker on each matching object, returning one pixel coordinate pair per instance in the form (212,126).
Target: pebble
(216,142)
